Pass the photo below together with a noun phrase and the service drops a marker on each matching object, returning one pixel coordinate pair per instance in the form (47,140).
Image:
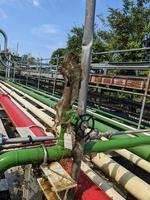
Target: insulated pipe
(134,185)
(18,118)
(143,151)
(125,153)
(92,147)
(40,114)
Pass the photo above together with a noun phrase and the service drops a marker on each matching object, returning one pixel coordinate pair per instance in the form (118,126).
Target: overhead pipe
(5,39)
(134,185)
(143,151)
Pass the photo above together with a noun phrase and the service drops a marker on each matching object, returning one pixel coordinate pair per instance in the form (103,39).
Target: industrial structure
(54,145)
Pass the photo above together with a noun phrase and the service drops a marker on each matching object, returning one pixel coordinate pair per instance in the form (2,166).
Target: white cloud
(45,29)
(3,15)
(55,46)
(36,3)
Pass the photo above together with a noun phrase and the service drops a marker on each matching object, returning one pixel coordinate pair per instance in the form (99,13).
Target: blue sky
(41,26)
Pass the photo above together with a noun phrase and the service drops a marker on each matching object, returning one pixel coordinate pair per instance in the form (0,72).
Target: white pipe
(40,114)
(101,182)
(33,99)
(133,184)
(145,165)
(140,162)
(104,161)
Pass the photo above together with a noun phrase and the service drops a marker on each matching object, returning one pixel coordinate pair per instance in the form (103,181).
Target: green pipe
(41,92)
(143,151)
(117,117)
(39,97)
(36,155)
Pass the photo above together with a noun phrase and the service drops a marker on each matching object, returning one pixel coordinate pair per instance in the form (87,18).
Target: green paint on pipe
(36,155)
(102,125)
(39,97)
(42,92)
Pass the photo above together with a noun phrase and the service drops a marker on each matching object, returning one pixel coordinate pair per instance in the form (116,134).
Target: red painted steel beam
(18,118)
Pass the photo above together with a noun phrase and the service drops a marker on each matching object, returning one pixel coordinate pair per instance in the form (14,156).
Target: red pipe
(86,189)
(18,118)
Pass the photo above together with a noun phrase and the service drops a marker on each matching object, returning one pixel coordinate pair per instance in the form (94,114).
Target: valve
(85,121)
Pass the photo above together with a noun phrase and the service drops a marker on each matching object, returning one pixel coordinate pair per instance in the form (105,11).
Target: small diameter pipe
(134,185)
(27,140)
(24,156)
(125,153)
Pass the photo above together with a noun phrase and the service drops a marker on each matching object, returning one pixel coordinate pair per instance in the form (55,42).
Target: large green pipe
(143,151)
(36,155)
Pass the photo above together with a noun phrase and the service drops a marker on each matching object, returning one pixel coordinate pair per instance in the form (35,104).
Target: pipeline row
(101,158)
(22,121)
(103,124)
